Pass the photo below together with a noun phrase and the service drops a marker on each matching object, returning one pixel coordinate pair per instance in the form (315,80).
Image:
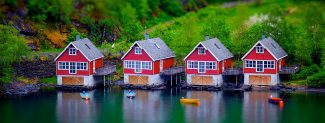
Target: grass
(49,80)
(296,83)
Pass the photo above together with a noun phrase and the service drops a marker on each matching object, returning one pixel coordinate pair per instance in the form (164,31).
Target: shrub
(305,72)
(316,80)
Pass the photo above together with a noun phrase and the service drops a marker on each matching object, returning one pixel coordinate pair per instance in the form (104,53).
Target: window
(81,65)
(259,49)
(201,50)
(201,67)
(192,65)
(72,51)
(137,50)
(137,66)
(128,64)
(146,65)
(268,64)
(72,68)
(250,64)
(211,65)
(63,66)
(259,66)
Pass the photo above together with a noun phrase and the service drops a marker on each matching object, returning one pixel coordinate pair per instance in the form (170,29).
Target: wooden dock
(174,70)
(233,71)
(289,69)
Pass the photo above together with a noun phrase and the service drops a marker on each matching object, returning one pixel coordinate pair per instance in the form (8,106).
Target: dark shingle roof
(156,48)
(87,48)
(217,49)
(273,47)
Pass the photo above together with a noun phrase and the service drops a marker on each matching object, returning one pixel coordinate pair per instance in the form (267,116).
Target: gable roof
(86,47)
(272,46)
(155,48)
(216,48)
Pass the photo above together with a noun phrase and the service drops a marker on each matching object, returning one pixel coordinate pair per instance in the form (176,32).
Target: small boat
(275,100)
(190,101)
(130,94)
(84,95)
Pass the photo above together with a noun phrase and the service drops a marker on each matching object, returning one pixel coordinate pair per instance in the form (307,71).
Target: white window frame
(269,64)
(135,67)
(201,49)
(83,66)
(191,64)
(72,51)
(212,64)
(146,65)
(75,65)
(259,49)
(137,50)
(253,64)
(258,64)
(204,67)
(63,65)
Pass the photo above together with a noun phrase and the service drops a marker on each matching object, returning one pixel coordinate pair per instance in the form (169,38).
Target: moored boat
(190,101)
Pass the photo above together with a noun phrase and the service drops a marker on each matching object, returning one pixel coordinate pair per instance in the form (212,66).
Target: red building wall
(72,58)
(99,63)
(261,56)
(168,63)
(204,57)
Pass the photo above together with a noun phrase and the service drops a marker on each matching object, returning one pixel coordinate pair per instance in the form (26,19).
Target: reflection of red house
(145,60)
(206,62)
(78,62)
(263,62)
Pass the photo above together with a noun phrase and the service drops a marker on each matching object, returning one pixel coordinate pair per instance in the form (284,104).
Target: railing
(105,70)
(289,70)
(233,71)
(174,70)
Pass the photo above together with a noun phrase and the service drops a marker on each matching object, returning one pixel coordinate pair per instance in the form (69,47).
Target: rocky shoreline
(22,89)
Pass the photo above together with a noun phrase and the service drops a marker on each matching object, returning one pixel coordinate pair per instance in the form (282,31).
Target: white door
(161,65)
(201,67)
(259,66)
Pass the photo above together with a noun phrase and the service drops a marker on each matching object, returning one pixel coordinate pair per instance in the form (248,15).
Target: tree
(11,49)
(73,33)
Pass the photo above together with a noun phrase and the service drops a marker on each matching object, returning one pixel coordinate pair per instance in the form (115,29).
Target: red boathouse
(145,60)
(263,62)
(78,62)
(206,63)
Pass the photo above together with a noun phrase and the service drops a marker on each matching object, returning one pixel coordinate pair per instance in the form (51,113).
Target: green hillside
(47,26)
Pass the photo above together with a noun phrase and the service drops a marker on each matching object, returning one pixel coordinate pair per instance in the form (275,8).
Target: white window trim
(215,65)
(262,66)
(198,67)
(198,51)
(135,50)
(75,65)
(135,67)
(71,49)
(252,61)
(257,49)
(273,64)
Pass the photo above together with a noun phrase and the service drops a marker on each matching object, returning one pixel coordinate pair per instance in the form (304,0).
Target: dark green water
(111,105)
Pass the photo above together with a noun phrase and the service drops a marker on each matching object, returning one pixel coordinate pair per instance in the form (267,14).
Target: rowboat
(130,94)
(84,95)
(274,100)
(190,101)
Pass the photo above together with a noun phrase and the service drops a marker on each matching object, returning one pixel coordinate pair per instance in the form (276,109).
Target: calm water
(111,105)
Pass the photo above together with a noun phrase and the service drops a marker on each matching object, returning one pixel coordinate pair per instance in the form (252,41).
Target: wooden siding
(202,80)
(259,80)
(99,63)
(139,80)
(72,80)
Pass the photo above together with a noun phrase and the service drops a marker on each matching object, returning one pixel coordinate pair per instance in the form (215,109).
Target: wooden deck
(233,71)
(174,70)
(105,70)
(289,70)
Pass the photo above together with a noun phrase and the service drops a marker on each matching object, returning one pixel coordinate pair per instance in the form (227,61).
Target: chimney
(146,35)
(77,37)
(207,37)
(263,36)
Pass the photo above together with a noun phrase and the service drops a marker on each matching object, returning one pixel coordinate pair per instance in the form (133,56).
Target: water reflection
(71,108)
(257,109)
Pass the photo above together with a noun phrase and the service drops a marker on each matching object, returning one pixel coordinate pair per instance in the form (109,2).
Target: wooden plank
(259,80)
(72,80)
(133,79)
(202,80)
(139,80)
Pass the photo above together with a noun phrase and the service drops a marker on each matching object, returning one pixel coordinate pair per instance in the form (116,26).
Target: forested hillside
(47,26)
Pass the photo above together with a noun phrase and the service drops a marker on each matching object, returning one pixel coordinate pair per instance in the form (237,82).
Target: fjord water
(110,105)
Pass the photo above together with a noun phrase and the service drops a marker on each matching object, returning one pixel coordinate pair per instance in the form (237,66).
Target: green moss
(49,80)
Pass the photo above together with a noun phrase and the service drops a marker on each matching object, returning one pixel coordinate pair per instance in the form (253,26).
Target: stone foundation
(217,80)
(275,79)
(153,79)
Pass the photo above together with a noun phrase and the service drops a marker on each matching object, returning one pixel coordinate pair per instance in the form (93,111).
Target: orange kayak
(190,101)
(275,100)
